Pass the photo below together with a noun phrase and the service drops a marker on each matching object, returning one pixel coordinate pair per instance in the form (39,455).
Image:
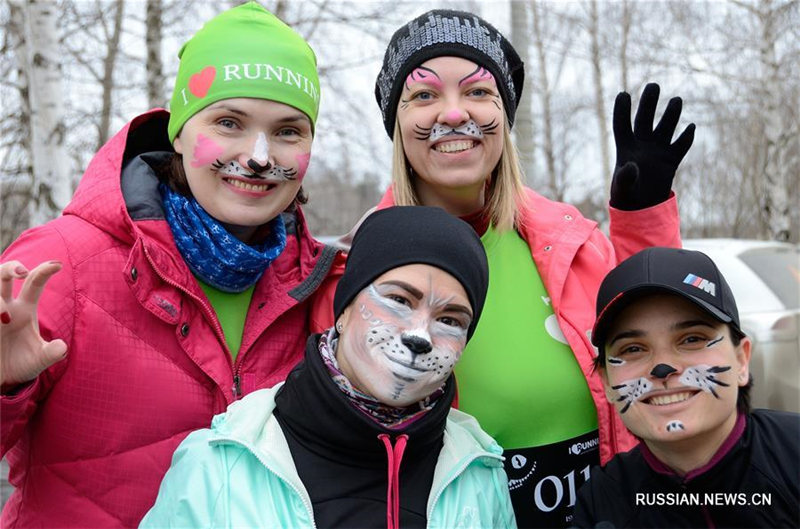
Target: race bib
(543,480)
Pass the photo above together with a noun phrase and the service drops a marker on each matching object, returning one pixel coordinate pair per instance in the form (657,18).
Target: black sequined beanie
(444,32)
(403,235)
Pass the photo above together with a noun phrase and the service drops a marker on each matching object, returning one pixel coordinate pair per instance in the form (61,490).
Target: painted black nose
(257,167)
(417,345)
(662,371)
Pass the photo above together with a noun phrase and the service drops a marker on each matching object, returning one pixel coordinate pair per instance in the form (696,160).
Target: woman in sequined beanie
(448,91)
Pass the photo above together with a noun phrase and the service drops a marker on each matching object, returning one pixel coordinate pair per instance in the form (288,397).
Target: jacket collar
(727,446)
(251,423)
(554,232)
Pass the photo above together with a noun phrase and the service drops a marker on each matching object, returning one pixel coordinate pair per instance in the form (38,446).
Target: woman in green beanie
(177,280)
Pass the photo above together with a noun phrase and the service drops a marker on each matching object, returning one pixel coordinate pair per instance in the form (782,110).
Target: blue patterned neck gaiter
(212,253)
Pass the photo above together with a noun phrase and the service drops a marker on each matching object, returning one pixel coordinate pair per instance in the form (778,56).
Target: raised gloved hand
(646,160)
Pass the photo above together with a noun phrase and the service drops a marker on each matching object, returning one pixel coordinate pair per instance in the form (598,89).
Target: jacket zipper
(250,449)
(236,389)
(453,475)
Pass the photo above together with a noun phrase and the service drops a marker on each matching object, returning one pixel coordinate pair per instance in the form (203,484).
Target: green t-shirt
(231,309)
(518,376)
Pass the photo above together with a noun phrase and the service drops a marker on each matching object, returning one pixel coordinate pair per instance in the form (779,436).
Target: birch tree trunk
(777,134)
(545,97)
(108,73)
(51,186)
(599,96)
(154,13)
(623,45)
(523,121)
(15,145)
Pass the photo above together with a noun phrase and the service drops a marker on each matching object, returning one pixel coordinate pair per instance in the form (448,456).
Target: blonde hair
(504,194)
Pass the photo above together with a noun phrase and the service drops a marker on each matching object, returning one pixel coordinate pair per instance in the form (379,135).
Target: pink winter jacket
(89,440)
(573,256)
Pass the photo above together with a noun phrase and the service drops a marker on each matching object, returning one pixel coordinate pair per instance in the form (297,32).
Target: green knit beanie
(244,52)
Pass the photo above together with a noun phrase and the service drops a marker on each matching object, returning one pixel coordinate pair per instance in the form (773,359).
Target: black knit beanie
(444,32)
(402,235)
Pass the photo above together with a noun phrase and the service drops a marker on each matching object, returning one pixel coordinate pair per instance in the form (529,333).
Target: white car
(765,280)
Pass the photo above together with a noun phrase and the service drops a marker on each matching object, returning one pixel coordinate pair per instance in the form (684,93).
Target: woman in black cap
(675,363)
(448,90)
(362,433)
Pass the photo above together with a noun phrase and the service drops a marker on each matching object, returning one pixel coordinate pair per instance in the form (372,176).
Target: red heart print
(199,83)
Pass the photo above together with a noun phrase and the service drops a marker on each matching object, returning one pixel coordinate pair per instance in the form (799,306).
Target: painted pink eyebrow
(480,74)
(425,76)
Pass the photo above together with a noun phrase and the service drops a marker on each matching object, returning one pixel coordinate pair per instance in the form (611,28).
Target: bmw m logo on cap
(702,284)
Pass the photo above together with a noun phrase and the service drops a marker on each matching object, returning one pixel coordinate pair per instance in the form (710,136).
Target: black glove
(646,161)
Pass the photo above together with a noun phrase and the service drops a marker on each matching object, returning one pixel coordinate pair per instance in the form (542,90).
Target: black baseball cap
(686,273)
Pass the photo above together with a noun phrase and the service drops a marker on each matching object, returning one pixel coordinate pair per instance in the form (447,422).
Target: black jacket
(339,457)
(754,484)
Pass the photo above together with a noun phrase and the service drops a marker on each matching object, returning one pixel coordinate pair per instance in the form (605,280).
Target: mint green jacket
(240,473)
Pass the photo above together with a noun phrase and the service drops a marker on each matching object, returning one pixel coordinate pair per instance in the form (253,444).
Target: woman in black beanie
(448,91)
(362,433)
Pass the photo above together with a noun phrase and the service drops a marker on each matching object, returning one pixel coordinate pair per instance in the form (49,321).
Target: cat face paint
(630,391)
(404,333)
(425,76)
(452,124)
(260,157)
(271,173)
(704,378)
(244,159)
(481,74)
(675,426)
(469,129)
(671,370)
(206,151)
(260,166)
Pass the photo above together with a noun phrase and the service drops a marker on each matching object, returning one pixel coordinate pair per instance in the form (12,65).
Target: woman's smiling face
(403,334)
(245,160)
(451,121)
(672,370)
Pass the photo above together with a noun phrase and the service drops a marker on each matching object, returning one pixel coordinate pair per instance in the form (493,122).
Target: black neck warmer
(340,458)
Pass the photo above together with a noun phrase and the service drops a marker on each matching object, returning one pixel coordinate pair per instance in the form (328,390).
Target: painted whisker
(702,377)
(422,133)
(287,174)
(632,390)
(490,127)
